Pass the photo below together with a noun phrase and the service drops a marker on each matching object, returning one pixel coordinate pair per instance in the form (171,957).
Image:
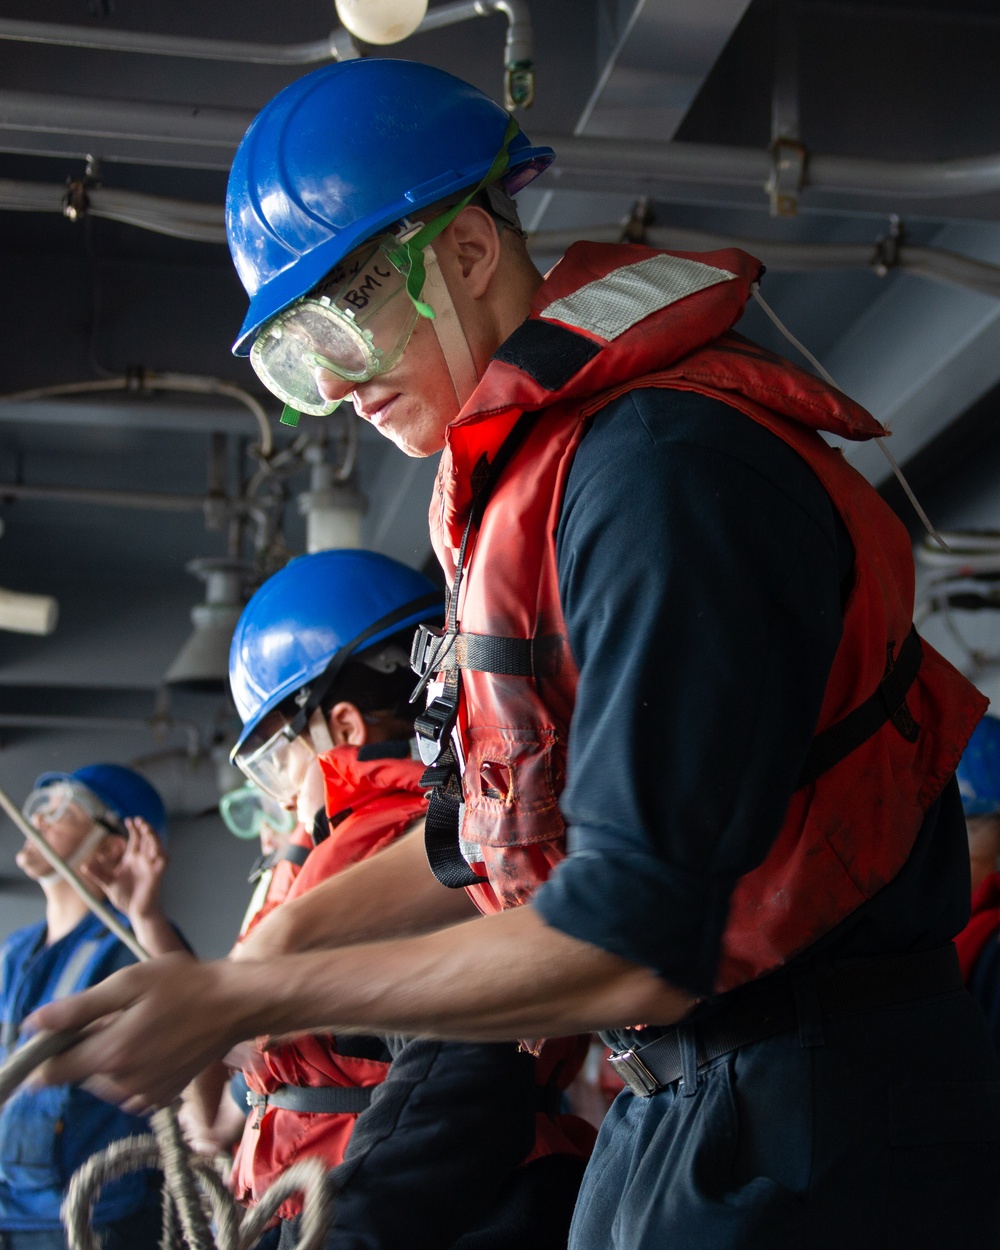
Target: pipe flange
(788,175)
(76,202)
(887,248)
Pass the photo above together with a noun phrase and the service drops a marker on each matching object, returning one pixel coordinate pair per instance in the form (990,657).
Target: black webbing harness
(887,703)
(447,652)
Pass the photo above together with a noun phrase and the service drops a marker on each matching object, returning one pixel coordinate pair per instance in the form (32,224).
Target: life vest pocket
(510,786)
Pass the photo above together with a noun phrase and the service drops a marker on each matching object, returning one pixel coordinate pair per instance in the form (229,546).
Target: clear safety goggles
(355,325)
(55,802)
(246,810)
(277,763)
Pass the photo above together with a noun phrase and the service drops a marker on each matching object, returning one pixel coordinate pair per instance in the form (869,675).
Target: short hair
(378,680)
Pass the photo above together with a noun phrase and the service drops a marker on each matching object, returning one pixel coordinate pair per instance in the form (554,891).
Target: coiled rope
(195,1196)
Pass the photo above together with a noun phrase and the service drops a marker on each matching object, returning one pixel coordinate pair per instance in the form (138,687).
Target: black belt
(314,1099)
(764,1010)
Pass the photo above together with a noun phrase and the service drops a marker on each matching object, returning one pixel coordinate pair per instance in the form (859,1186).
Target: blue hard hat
(122,790)
(979,770)
(343,153)
(317,608)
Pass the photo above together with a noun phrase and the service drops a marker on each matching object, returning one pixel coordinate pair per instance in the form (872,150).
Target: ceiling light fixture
(202,664)
(381,21)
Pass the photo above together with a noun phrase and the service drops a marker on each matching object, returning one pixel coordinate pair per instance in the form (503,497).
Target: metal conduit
(150,500)
(175,134)
(205,223)
(601,158)
(338,45)
(925,262)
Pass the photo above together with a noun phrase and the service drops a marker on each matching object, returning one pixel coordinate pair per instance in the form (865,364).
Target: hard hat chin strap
(450,335)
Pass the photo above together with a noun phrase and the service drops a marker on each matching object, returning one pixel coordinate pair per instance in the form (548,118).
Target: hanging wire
(783,329)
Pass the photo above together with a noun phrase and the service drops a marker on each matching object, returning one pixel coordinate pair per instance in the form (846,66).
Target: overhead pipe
(338,45)
(157,501)
(174,134)
(205,223)
(780,257)
(183,219)
(147,382)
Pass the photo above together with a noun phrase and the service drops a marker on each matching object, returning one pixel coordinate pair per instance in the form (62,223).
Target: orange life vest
(607,320)
(370,803)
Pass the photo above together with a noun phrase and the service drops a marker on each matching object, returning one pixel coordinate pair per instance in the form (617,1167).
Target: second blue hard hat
(123,791)
(979,770)
(346,151)
(315,609)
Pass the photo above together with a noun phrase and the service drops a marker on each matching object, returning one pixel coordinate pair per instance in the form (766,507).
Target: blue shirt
(46,1133)
(702,571)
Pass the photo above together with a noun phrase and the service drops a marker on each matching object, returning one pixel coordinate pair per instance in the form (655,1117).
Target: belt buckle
(635,1074)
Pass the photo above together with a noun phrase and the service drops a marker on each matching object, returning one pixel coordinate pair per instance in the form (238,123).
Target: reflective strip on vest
(612,305)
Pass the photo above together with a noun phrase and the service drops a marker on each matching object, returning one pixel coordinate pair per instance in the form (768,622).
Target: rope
(194,1194)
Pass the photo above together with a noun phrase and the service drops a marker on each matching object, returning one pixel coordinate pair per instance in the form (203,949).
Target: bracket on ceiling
(788,153)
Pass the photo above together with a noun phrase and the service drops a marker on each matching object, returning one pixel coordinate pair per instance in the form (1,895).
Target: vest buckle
(426,644)
(434,725)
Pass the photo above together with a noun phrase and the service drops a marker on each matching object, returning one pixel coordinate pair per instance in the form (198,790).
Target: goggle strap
(411,253)
(450,335)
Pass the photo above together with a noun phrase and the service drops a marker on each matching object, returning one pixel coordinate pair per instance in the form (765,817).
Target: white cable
(908,490)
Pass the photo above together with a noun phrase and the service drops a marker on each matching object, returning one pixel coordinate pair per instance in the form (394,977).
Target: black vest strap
(296,854)
(441,830)
(314,1099)
(477,653)
(887,703)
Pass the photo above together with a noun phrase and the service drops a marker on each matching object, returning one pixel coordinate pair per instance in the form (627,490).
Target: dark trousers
(873,1131)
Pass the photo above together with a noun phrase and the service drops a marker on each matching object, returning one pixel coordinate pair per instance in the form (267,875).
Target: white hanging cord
(908,490)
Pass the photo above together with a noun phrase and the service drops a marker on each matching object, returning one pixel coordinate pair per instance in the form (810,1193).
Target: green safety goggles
(357,322)
(246,810)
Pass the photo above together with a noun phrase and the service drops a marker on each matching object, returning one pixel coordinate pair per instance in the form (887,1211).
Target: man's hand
(149,1029)
(159,1024)
(133,884)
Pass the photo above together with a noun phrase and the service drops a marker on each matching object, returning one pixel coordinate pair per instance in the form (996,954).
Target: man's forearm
(490,979)
(493,978)
(157,935)
(392,894)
